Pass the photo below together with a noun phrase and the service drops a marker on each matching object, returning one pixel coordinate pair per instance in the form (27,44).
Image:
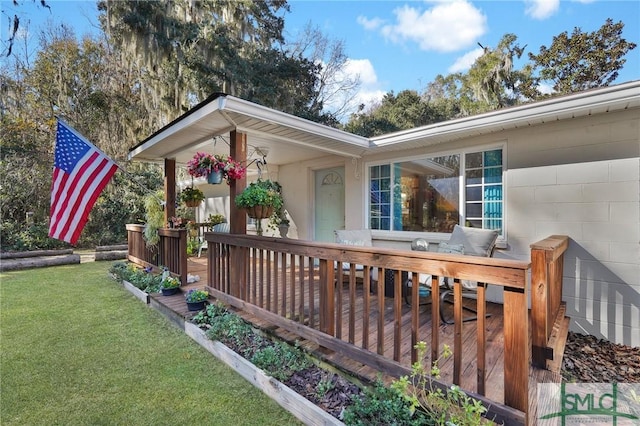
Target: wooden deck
(286,292)
(494,336)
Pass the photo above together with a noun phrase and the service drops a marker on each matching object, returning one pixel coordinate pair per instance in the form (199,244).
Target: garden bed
(294,402)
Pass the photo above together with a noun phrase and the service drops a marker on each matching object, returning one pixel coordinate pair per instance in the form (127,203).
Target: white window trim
(436,236)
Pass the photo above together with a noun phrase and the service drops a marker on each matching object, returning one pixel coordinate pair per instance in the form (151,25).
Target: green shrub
(16,237)
(280,360)
(382,405)
(142,278)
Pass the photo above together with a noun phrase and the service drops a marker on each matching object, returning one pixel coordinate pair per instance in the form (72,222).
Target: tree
(583,60)
(335,88)
(407,110)
(187,50)
(492,82)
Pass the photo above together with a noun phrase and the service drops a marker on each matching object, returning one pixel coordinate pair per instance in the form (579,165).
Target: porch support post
(169,188)
(237,219)
(516,348)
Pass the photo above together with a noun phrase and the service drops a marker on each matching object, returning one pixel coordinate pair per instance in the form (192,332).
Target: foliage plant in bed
(142,278)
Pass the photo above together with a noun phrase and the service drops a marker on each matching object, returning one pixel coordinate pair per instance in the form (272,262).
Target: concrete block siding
(597,204)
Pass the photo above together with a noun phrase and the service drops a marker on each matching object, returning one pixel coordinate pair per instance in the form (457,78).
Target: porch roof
(289,139)
(285,137)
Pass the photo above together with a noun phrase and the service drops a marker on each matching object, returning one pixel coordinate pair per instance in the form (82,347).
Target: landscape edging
(299,406)
(139,294)
(303,409)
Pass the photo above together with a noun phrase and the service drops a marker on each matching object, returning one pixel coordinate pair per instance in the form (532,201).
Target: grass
(77,349)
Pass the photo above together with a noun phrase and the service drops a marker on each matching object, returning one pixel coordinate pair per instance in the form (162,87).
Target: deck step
(558,339)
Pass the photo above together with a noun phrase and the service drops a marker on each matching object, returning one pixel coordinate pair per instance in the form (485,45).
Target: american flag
(80,173)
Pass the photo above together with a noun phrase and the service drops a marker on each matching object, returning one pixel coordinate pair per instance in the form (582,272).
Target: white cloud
(362,68)
(369,91)
(369,24)
(541,9)
(444,27)
(464,62)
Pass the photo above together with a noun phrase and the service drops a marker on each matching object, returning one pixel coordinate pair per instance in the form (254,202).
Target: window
(424,194)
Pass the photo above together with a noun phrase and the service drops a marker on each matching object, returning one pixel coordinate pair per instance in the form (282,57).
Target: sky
(397,44)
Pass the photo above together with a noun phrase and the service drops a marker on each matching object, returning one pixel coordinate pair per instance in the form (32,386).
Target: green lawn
(78,349)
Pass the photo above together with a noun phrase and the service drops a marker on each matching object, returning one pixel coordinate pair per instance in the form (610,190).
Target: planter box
(303,409)
(139,294)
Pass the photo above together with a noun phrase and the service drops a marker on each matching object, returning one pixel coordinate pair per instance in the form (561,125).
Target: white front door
(329,203)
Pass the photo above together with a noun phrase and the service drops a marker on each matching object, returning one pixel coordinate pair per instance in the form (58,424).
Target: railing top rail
(504,272)
(553,245)
(135,227)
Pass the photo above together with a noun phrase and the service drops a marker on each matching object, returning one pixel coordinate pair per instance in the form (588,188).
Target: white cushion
(355,237)
(476,241)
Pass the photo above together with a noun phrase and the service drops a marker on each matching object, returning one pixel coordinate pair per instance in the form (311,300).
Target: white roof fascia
(185,122)
(582,101)
(260,112)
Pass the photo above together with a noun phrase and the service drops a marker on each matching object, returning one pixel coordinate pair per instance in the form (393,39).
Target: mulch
(588,359)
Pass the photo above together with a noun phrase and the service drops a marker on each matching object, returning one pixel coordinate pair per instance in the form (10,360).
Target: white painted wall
(578,177)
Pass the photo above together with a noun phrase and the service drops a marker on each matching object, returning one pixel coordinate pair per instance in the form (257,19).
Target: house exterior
(567,166)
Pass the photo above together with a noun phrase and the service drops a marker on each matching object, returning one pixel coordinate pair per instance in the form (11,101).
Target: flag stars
(69,149)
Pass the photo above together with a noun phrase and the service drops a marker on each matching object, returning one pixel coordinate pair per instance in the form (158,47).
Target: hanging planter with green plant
(260,199)
(191,197)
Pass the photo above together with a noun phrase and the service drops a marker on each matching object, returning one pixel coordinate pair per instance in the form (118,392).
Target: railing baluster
(481,306)
(380,294)
(457,330)
(397,322)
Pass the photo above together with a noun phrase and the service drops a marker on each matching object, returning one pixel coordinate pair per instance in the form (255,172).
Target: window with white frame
(424,194)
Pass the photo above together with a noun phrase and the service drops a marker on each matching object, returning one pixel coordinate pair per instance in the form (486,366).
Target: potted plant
(196,299)
(170,286)
(215,168)
(191,197)
(215,219)
(260,198)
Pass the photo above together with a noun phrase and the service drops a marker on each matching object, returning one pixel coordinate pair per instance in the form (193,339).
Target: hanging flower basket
(192,203)
(215,177)
(206,165)
(259,212)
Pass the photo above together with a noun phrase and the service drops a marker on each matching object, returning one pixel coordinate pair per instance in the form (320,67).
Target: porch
(291,288)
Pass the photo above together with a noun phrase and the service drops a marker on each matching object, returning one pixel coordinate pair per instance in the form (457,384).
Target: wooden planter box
(139,294)
(303,409)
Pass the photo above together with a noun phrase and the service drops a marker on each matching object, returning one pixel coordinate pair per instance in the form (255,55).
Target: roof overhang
(284,137)
(288,139)
(583,104)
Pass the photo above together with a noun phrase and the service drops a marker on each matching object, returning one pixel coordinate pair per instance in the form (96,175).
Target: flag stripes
(80,174)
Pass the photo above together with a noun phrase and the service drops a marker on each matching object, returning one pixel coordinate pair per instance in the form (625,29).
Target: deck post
(516,348)
(327,298)
(169,189)
(237,219)
(547,257)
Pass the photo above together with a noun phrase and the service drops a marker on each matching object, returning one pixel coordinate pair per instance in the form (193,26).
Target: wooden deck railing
(171,251)
(280,280)
(547,257)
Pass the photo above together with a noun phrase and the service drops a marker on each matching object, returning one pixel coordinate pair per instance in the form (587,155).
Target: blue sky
(397,45)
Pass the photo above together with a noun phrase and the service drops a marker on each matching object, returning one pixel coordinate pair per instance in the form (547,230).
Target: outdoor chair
(355,237)
(362,237)
(464,240)
(220,227)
